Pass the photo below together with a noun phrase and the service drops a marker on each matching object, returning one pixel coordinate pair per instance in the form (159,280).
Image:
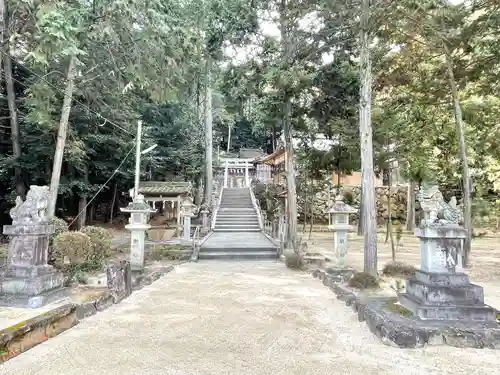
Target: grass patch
(168,252)
(363,280)
(399,269)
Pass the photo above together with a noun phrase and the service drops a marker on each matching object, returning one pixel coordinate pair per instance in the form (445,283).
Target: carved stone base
(34,302)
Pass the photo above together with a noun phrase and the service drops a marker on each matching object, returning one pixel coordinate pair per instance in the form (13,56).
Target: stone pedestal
(441,290)
(186,233)
(27,280)
(137,245)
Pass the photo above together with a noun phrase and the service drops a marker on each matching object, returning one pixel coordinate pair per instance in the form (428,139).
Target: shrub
(60,226)
(101,240)
(398,269)
(73,248)
(363,280)
(294,260)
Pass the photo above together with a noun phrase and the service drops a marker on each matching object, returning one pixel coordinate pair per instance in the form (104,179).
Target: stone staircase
(237,233)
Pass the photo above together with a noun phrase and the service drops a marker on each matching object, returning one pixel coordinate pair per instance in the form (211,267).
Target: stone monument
(440,290)
(140,212)
(27,280)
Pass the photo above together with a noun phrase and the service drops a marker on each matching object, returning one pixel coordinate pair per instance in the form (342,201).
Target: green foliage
(72,248)
(101,241)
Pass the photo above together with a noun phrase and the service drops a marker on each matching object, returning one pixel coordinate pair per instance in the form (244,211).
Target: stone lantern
(338,220)
(187,212)
(140,212)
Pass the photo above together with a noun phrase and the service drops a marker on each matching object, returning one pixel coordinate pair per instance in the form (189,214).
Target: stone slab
(395,329)
(119,280)
(479,313)
(439,295)
(442,278)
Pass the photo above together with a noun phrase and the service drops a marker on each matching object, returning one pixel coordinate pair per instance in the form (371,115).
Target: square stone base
(34,302)
(466,313)
(432,294)
(31,286)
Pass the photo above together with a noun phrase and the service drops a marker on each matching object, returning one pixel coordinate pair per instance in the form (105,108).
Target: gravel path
(236,318)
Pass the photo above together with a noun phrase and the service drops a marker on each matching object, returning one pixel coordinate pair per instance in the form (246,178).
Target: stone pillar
(187,227)
(204,220)
(247,183)
(226,175)
(28,280)
(178,205)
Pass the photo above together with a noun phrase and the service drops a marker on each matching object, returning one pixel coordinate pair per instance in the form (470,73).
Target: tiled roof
(164,187)
(246,153)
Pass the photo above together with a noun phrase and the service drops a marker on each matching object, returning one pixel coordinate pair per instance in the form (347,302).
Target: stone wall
(352,197)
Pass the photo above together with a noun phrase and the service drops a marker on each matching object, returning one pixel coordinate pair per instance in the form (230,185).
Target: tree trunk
(361,213)
(11,98)
(82,204)
(61,137)
(467,201)
(113,204)
(287,131)
(390,232)
(199,190)
(365,129)
(410,206)
(306,196)
(208,133)
(228,137)
(311,213)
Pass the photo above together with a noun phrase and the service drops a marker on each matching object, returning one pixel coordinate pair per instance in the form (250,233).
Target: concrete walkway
(235,318)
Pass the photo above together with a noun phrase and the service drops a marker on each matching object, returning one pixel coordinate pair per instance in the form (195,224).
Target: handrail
(216,209)
(226,174)
(256,205)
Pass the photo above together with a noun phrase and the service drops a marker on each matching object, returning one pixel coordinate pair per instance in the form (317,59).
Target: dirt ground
(485,257)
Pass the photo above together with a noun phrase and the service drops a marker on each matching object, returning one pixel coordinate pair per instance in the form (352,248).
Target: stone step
(237,255)
(236,226)
(236,229)
(244,221)
(479,313)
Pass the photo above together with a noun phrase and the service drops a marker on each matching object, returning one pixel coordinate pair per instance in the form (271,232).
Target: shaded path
(235,318)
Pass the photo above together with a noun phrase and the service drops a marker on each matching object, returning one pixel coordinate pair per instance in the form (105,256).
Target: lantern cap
(339,207)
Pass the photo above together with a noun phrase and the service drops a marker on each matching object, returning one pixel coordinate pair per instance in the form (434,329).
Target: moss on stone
(398,309)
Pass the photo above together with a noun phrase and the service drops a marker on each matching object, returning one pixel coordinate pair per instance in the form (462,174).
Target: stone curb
(23,336)
(405,332)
